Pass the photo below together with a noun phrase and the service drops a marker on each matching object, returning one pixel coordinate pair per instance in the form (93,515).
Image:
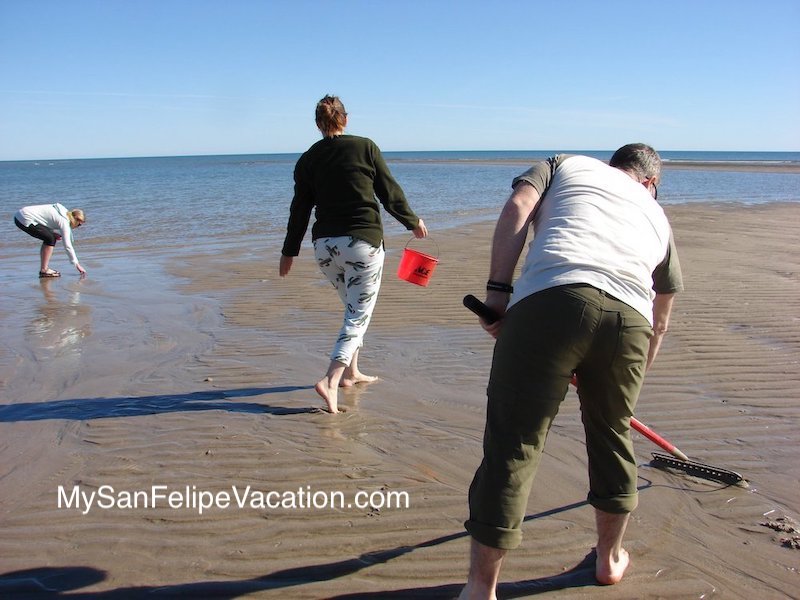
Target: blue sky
(108,78)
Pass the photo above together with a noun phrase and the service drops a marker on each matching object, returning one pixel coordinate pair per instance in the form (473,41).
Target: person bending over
(593,299)
(49,223)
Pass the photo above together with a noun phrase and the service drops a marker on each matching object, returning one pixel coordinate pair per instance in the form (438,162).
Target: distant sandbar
(700,165)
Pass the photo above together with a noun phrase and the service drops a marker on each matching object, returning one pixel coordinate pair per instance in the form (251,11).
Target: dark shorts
(40,232)
(545,338)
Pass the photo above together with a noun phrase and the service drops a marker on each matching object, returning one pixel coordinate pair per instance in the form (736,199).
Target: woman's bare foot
(351,379)
(610,571)
(329,394)
(352,375)
(327,387)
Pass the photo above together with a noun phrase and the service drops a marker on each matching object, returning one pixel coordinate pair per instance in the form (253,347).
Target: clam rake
(674,460)
(698,469)
(679,460)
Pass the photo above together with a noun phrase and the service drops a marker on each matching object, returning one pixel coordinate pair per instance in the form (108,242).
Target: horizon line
(385,152)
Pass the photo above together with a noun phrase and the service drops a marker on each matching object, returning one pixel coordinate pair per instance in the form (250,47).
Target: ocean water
(180,201)
(145,215)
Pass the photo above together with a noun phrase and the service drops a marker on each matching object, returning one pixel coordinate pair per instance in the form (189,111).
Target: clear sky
(109,78)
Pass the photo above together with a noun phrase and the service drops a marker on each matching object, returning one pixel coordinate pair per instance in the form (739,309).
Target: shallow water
(183,201)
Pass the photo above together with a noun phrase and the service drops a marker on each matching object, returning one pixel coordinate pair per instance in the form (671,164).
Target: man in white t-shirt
(593,301)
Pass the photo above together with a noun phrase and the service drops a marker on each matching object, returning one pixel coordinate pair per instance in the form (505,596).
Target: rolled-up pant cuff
(620,504)
(494,537)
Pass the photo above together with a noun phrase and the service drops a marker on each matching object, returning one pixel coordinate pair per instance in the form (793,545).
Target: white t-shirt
(595,225)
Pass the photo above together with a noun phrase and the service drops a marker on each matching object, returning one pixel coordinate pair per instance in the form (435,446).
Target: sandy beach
(197,383)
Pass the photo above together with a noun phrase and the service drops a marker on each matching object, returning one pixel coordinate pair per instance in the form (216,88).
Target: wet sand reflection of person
(62,321)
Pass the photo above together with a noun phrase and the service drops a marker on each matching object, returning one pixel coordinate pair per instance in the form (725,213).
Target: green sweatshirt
(340,177)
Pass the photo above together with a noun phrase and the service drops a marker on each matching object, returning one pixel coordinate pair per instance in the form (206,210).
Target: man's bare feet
(484,572)
(610,570)
(469,592)
(329,394)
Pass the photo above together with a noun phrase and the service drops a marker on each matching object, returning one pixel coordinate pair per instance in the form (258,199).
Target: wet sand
(198,380)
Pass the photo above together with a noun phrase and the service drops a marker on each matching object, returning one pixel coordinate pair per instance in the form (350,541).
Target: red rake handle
(649,433)
(657,439)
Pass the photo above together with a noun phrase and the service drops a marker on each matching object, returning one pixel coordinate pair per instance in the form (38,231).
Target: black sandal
(49,273)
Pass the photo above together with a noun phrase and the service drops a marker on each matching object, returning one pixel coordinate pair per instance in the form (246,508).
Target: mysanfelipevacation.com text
(106,497)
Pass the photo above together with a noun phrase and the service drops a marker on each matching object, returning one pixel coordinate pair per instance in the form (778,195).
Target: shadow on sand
(136,406)
(65,582)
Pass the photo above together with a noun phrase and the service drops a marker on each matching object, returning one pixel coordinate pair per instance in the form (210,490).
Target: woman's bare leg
(352,375)
(327,387)
(45,254)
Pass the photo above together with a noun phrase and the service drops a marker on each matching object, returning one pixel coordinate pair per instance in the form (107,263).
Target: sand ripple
(215,393)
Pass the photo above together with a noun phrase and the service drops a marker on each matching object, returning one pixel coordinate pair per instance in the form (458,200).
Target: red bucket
(416,267)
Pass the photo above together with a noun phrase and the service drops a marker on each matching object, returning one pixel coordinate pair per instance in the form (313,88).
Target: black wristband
(496,286)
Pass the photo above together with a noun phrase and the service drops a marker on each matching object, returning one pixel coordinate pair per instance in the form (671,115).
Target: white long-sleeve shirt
(53,216)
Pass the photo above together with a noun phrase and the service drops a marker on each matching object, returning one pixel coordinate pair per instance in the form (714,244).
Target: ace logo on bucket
(416,267)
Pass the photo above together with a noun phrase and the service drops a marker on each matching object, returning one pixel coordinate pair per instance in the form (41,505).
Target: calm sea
(148,214)
(181,201)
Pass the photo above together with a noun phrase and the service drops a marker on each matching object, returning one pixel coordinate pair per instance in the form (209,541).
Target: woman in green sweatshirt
(343,178)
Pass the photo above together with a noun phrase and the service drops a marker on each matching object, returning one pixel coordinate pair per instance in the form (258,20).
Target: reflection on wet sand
(62,321)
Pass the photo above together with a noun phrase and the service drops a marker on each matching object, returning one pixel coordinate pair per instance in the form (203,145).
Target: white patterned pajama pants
(354,267)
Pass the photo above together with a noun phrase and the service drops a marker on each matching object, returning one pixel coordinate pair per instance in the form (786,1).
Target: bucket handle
(429,239)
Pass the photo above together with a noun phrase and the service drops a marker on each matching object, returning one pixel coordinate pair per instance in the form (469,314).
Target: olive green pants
(545,338)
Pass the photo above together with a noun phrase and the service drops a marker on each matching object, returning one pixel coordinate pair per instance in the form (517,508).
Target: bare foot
(611,571)
(349,380)
(467,593)
(329,394)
